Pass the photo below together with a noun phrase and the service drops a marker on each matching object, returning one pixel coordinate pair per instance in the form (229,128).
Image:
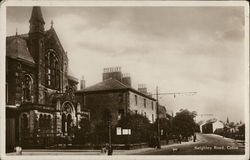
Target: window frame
(52,70)
(136,100)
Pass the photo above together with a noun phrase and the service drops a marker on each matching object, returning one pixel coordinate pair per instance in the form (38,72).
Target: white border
(120,3)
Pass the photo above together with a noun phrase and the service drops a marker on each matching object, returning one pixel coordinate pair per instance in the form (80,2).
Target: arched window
(69,120)
(41,121)
(68,113)
(27,84)
(49,122)
(63,122)
(46,122)
(52,70)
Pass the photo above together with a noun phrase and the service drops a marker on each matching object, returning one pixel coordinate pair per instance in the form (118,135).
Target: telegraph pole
(110,144)
(158,121)
(157,111)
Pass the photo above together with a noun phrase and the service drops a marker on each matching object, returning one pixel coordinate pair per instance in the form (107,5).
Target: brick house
(40,101)
(116,95)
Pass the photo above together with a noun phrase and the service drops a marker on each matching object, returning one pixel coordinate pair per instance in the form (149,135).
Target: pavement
(201,146)
(90,152)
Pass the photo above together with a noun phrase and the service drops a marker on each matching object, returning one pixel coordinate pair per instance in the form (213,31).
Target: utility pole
(158,121)
(110,144)
(157,112)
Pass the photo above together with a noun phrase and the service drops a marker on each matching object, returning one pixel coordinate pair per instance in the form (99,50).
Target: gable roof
(110,85)
(16,47)
(52,33)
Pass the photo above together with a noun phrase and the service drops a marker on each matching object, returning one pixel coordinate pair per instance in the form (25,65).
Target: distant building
(116,95)
(162,112)
(211,126)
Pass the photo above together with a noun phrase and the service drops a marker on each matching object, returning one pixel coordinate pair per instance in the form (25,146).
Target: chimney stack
(126,79)
(82,83)
(112,72)
(142,88)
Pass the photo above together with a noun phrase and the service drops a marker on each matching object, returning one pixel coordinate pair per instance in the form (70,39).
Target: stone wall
(15,72)
(98,102)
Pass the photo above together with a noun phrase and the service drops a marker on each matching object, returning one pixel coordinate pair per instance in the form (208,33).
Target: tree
(141,129)
(83,132)
(184,122)
(165,126)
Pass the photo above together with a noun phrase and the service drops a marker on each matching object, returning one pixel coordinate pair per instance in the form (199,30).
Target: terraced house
(115,95)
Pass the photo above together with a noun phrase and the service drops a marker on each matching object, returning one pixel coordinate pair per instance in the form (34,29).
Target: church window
(69,122)
(63,123)
(41,121)
(49,122)
(27,84)
(52,70)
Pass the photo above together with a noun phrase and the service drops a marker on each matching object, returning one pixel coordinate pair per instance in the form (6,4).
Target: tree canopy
(184,122)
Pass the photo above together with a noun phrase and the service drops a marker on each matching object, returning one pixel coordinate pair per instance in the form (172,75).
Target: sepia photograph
(136,79)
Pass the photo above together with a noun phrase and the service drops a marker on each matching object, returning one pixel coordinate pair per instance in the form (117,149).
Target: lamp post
(109,118)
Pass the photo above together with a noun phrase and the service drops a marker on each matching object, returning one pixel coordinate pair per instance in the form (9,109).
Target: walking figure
(180,138)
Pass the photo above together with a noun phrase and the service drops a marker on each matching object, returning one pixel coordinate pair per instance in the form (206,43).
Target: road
(207,144)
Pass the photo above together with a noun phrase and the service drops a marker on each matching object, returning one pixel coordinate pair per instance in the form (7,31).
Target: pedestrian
(154,142)
(180,138)
(194,137)
(110,150)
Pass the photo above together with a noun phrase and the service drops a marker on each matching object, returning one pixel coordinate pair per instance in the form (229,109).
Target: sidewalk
(92,152)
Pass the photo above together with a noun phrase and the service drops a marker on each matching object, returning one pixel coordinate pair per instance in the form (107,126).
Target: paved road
(207,144)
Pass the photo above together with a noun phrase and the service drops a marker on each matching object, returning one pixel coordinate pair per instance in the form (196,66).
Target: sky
(178,49)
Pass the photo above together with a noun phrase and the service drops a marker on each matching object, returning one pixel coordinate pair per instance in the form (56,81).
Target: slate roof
(16,47)
(110,85)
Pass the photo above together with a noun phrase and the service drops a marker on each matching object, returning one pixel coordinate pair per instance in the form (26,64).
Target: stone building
(211,126)
(115,94)
(40,101)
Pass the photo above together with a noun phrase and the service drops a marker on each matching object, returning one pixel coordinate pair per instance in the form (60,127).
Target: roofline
(70,77)
(22,60)
(112,90)
(57,38)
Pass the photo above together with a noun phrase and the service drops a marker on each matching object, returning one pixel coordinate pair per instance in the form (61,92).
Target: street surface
(206,144)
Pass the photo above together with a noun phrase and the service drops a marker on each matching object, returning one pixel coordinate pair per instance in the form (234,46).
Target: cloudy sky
(179,49)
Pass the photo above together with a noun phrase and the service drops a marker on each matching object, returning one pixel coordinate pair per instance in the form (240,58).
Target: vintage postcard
(124,79)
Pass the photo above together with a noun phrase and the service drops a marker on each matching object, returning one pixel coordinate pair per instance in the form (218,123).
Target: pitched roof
(16,47)
(110,85)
